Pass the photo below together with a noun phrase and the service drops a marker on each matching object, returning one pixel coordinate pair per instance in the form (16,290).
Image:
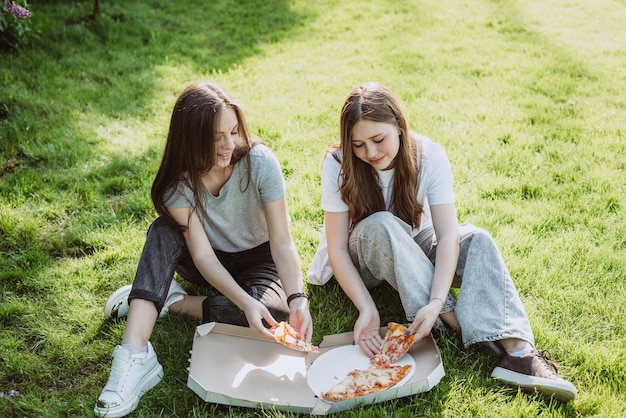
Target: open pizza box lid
(234,365)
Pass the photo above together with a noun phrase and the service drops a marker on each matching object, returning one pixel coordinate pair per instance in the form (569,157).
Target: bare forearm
(445,267)
(287,262)
(217,276)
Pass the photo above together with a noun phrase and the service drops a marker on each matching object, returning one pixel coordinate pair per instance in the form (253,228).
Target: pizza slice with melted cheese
(363,382)
(286,335)
(381,374)
(395,345)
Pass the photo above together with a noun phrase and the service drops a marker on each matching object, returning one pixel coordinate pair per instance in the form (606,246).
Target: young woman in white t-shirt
(389,215)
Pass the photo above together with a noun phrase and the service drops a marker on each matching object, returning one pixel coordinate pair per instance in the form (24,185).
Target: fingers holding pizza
(257,315)
(395,344)
(284,334)
(381,373)
(389,349)
(424,320)
(300,317)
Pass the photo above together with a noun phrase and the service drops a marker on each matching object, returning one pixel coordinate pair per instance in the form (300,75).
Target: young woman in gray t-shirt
(223,223)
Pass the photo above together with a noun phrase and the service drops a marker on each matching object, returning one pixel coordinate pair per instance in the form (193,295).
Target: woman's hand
(367,332)
(255,313)
(300,317)
(425,319)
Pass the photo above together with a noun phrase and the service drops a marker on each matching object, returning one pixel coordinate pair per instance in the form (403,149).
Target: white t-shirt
(236,217)
(435,187)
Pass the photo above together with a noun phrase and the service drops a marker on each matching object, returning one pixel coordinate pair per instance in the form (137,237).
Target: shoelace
(119,370)
(545,359)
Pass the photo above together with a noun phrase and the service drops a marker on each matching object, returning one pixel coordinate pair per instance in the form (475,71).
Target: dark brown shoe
(533,371)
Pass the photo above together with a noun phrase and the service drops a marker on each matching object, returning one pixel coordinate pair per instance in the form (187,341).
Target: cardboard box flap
(234,365)
(230,363)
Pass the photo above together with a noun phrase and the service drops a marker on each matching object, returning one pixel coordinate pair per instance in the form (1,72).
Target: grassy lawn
(527,97)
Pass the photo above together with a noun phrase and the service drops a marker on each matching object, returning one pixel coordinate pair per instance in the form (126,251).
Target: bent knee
(160,227)
(480,238)
(381,223)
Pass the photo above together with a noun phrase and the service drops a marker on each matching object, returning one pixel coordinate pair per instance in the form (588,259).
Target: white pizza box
(234,365)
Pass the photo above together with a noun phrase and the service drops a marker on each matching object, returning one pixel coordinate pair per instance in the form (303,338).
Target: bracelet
(439,299)
(295,296)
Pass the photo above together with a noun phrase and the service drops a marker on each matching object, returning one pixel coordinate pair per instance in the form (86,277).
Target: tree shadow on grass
(113,66)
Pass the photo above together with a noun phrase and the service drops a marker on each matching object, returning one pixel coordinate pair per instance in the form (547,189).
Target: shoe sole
(561,390)
(113,303)
(150,381)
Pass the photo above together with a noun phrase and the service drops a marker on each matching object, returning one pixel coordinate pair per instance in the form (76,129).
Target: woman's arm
(446,229)
(366,328)
(447,232)
(213,271)
(287,262)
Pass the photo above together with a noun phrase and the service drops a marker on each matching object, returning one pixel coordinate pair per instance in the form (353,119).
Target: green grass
(527,97)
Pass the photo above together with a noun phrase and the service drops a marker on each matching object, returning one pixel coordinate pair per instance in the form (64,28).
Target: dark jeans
(254,270)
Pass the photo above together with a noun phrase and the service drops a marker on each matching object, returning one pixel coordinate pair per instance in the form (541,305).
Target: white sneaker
(117,305)
(132,375)
(175,294)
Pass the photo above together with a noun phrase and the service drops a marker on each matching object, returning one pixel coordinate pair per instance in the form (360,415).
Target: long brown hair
(359,188)
(190,147)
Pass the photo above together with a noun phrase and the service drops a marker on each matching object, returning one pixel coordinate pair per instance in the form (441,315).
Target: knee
(483,235)
(161,228)
(382,217)
(160,233)
(381,223)
(482,238)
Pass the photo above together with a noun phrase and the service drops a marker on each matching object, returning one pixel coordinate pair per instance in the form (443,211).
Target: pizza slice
(364,382)
(286,335)
(395,345)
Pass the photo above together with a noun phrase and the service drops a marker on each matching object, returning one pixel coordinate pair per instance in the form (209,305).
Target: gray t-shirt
(236,219)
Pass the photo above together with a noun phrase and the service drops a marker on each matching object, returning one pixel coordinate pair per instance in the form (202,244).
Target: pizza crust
(381,374)
(286,335)
(364,382)
(396,343)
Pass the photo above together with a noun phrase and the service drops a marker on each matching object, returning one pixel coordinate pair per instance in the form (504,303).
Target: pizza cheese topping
(363,382)
(396,343)
(381,374)
(286,335)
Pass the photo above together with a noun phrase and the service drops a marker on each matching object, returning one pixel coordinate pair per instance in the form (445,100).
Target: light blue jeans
(488,307)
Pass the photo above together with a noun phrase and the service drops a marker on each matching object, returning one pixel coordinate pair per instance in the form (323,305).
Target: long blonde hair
(359,187)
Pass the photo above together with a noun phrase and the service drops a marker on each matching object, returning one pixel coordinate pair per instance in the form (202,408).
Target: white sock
(135,349)
(520,353)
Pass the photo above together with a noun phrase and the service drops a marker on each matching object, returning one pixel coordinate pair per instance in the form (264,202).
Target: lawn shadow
(333,312)
(113,66)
